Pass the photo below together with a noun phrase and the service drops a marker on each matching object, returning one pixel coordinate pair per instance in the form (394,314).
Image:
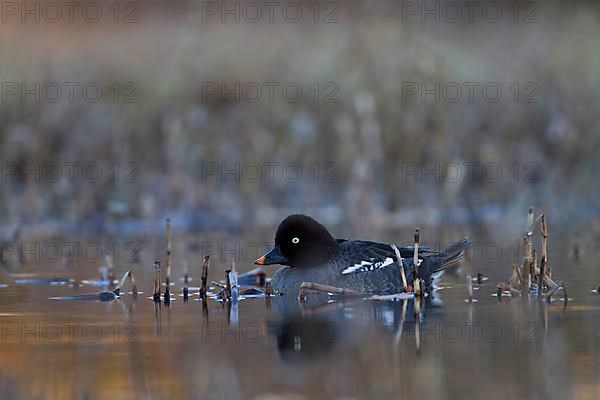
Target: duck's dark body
(384,280)
(363,266)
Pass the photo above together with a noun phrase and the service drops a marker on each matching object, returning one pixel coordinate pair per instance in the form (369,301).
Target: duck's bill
(272,257)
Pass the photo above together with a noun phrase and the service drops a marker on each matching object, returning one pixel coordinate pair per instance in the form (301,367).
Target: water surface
(322,348)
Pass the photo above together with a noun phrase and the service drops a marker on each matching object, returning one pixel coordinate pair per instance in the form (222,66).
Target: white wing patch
(366,266)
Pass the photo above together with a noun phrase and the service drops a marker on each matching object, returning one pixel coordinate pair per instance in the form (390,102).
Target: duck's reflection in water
(312,328)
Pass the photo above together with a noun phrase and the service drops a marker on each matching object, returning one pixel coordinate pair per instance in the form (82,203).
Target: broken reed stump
(534,268)
(526,272)
(186,279)
(227,291)
(416,283)
(401,266)
(325,288)
(204,277)
(526,269)
(544,262)
(168,232)
(529,270)
(541,277)
(233,282)
(156,295)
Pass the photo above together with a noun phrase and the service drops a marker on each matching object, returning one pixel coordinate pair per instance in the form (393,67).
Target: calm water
(324,348)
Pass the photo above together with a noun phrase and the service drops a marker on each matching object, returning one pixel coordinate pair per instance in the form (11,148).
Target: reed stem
(544,262)
(156,295)
(204,278)
(227,291)
(416,283)
(168,228)
(401,266)
(525,273)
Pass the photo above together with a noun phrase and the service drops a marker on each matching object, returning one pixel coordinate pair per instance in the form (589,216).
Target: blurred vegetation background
(365,146)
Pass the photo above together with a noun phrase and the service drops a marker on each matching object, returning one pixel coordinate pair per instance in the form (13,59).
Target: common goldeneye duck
(310,253)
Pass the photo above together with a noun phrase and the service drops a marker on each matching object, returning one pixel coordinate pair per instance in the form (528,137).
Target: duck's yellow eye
(295,240)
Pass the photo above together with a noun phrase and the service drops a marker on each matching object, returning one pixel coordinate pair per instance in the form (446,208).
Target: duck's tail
(452,255)
(433,265)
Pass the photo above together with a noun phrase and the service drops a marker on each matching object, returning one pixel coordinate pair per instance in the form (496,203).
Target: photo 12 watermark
(474,332)
(68,251)
(468,92)
(55,12)
(470,172)
(453,12)
(32,332)
(270,12)
(68,172)
(35,92)
(269,172)
(269,92)
(449,332)
(253,332)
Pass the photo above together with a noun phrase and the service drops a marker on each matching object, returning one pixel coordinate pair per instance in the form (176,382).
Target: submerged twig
(325,288)
(555,289)
(117,290)
(550,283)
